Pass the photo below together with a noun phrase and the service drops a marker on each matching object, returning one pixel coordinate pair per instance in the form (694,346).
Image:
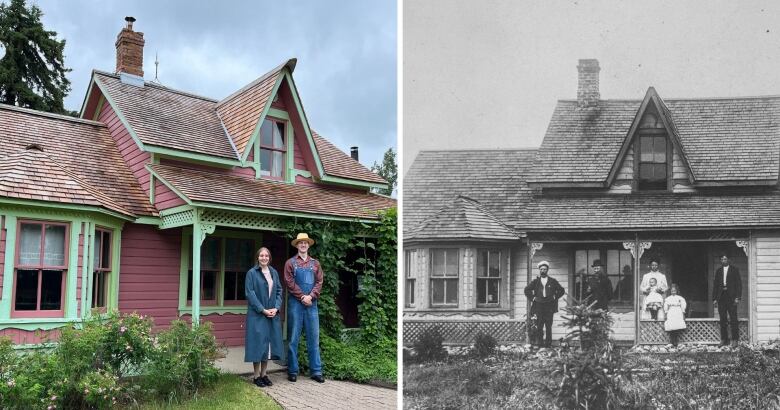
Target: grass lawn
(230,392)
(740,379)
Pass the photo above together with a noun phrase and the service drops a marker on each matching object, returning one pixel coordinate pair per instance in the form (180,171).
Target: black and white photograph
(590,205)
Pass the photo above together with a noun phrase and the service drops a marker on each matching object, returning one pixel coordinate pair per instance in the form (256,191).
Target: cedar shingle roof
(739,208)
(168,118)
(31,174)
(494,178)
(84,148)
(338,163)
(241,110)
(724,139)
(462,219)
(205,186)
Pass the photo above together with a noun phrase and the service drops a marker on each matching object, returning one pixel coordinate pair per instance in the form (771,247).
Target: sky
(486,75)
(346,51)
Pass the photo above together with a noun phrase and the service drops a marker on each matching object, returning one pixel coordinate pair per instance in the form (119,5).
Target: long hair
(257,255)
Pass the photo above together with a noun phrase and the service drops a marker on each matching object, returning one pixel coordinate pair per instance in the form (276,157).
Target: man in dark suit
(726,292)
(544,293)
(598,288)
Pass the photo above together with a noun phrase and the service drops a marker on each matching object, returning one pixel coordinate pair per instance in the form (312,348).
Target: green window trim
(184,267)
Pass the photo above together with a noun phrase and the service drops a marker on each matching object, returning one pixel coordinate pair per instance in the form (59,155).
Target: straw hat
(302,237)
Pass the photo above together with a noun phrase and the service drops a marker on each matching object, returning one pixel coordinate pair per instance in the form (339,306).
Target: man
(598,288)
(303,276)
(544,293)
(726,292)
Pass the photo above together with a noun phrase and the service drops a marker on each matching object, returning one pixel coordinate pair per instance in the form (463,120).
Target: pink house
(155,199)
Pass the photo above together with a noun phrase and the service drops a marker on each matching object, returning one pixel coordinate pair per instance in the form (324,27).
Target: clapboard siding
(160,297)
(135,159)
(164,198)
(679,170)
(2,250)
(560,266)
(228,328)
(767,302)
(82,255)
(299,162)
(625,173)
(520,280)
(29,337)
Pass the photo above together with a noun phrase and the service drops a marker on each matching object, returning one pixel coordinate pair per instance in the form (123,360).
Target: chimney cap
(130,20)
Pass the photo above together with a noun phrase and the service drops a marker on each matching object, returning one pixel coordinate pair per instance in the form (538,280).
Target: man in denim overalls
(303,277)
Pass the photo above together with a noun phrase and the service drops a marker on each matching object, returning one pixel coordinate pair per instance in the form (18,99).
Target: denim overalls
(303,317)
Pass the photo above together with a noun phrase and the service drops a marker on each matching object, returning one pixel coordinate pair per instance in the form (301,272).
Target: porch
(688,259)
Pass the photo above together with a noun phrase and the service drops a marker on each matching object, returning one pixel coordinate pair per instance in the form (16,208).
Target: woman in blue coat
(263,329)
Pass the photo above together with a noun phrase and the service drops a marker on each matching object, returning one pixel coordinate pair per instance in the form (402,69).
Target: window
(410,280)
(39,284)
(223,266)
(488,278)
(272,148)
(444,277)
(101,268)
(653,159)
(618,266)
(239,254)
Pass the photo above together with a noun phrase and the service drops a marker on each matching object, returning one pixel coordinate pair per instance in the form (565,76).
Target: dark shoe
(259,382)
(318,378)
(734,343)
(293,378)
(267,381)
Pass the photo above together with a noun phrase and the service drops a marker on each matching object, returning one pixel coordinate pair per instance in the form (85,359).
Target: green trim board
(256,132)
(219,310)
(169,185)
(305,121)
(147,220)
(265,211)
(8,268)
(86,96)
(176,210)
(37,323)
(27,203)
(277,113)
(87,266)
(194,156)
(351,182)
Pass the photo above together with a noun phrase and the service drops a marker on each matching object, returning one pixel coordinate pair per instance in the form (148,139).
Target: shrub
(484,345)
(430,345)
(183,361)
(355,360)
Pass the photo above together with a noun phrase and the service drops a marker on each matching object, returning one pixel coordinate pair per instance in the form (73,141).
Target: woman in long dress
(263,329)
(674,306)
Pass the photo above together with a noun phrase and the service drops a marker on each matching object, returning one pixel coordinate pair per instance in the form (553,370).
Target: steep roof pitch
(241,111)
(31,174)
(651,211)
(84,148)
(164,117)
(724,139)
(339,164)
(462,219)
(205,186)
(494,178)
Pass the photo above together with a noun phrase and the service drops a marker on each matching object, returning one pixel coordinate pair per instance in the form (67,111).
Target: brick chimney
(130,50)
(588,87)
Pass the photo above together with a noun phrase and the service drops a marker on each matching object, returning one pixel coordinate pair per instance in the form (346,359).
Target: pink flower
(122,329)
(11,383)
(86,391)
(53,398)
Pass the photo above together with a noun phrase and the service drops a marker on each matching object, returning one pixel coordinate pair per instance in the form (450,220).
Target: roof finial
(156,66)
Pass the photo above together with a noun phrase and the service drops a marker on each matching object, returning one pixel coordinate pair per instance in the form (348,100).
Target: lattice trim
(465,332)
(182,218)
(652,332)
(244,220)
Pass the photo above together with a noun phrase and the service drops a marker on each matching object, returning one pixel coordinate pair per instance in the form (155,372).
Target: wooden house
(155,200)
(681,181)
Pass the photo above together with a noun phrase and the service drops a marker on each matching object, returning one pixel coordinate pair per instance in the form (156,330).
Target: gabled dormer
(651,157)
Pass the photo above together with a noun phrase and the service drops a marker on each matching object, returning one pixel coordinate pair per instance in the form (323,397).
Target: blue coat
(262,332)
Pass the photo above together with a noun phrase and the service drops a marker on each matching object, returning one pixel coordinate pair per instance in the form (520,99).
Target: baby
(654,301)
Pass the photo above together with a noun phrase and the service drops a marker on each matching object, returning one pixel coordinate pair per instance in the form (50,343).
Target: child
(653,301)
(674,306)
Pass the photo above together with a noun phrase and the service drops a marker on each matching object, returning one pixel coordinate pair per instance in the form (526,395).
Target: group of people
(303,279)
(544,291)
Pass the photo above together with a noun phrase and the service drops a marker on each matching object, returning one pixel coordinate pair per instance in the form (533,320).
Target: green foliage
(484,345)
(388,170)
(430,346)
(32,71)
(375,264)
(183,361)
(355,360)
(591,327)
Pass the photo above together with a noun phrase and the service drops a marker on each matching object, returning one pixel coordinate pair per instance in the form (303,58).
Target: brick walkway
(308,394)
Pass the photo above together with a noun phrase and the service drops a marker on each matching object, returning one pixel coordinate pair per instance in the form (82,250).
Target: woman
(263,330)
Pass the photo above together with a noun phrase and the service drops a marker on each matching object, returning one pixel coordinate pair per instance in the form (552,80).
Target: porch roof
(206,186)
(651,211)
(462,219)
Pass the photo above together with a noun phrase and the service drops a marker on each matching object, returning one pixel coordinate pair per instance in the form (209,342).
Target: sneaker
(258,381)
(318,378)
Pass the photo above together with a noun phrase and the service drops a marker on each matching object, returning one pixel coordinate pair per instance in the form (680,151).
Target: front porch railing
(698,331)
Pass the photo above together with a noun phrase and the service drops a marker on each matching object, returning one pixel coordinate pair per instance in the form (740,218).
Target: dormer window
(272,148)
(654,154)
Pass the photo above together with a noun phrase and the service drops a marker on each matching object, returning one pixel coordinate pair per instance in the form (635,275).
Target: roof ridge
(639,100)
(524,149)
(50,115)
(290,61)
(161,87)
(490,215)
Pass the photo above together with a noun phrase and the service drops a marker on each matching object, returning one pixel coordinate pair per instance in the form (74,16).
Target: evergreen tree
(32,70)
(387,170)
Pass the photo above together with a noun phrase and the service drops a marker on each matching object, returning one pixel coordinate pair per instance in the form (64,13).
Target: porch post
(199,232)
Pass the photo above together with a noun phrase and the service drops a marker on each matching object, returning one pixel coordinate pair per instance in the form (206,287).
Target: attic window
(654,155)
(272,148)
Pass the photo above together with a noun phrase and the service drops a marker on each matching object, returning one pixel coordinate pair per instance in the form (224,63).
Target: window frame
(488,278)
(669,157)
(603,252)
(105,270)
(410,280)
(444,278)
(41,267)
(283,149)
(219,301)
